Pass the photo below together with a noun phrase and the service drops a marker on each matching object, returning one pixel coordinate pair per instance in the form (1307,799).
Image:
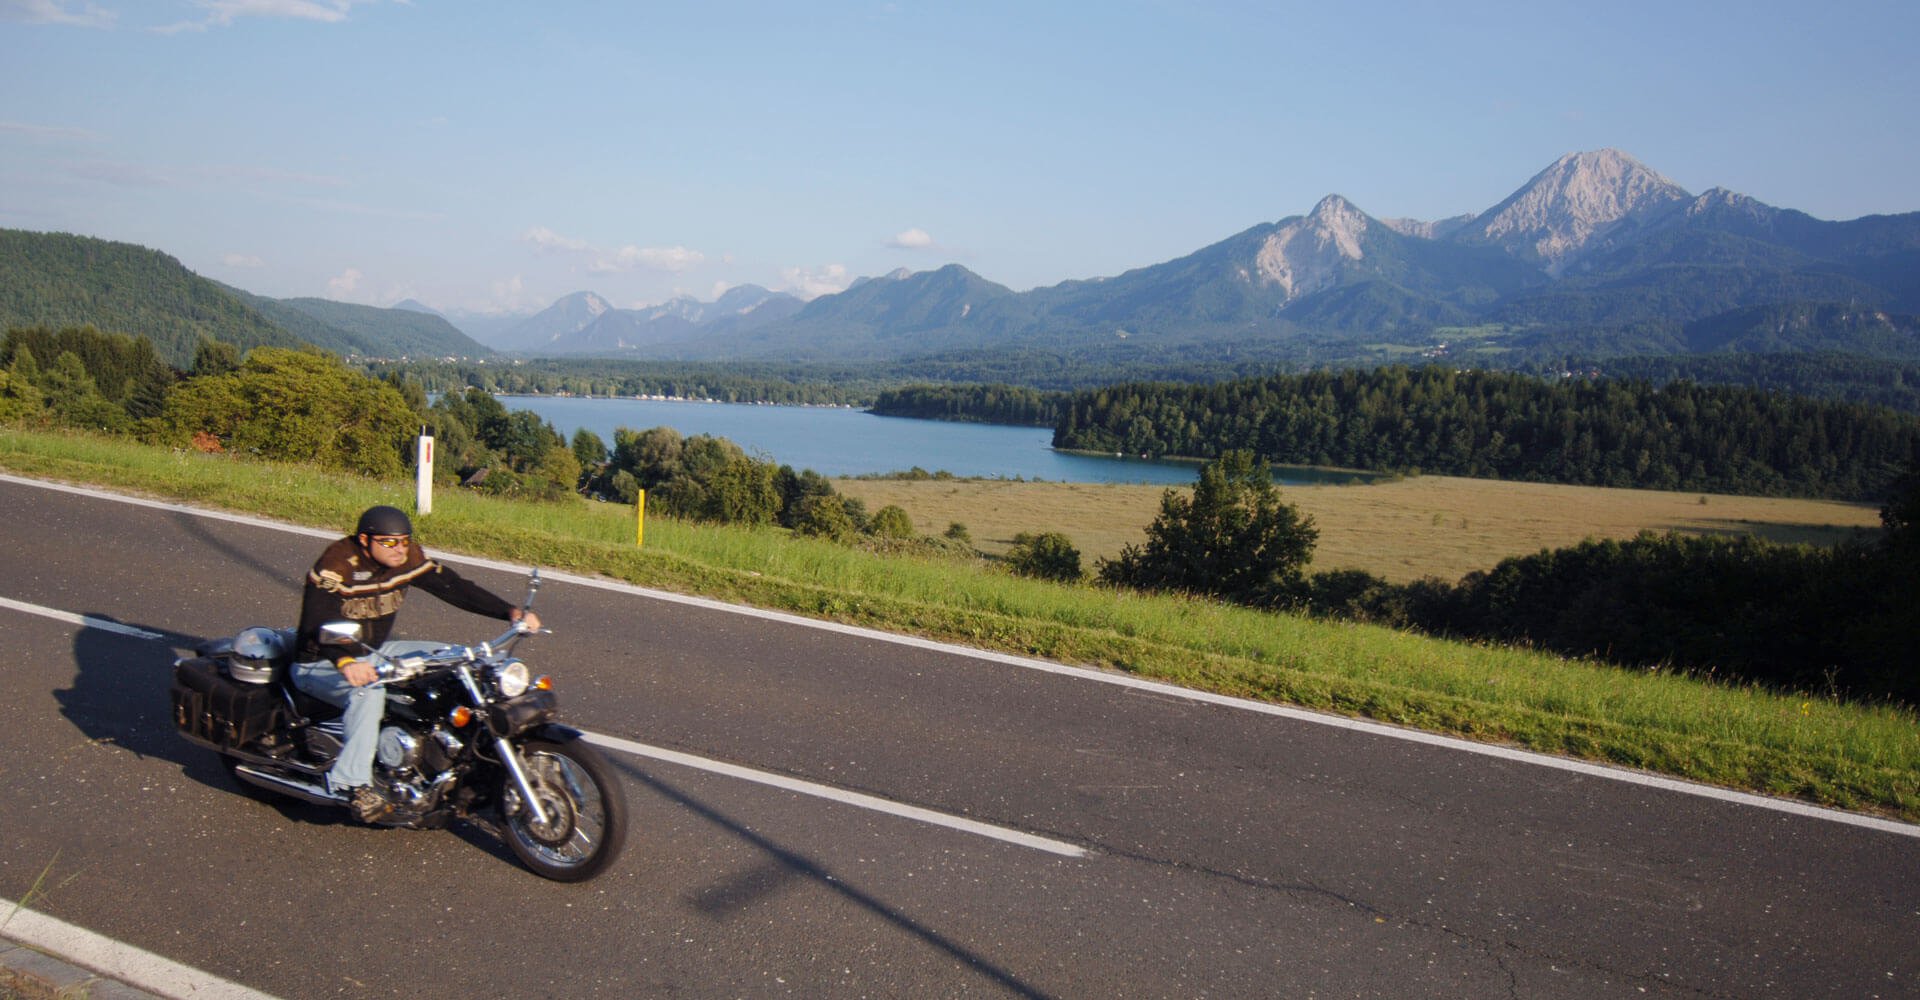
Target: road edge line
(104,956)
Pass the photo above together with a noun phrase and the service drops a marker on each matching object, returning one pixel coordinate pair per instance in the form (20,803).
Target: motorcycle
(468,734)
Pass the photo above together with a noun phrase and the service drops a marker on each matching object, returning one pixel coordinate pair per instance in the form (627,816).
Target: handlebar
(407,666)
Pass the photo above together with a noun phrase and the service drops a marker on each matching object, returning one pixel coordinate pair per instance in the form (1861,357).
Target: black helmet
(384,520)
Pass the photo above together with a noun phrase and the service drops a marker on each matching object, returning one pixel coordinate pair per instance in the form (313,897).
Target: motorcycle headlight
(512,677)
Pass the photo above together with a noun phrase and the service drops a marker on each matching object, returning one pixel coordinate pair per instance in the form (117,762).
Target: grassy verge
(1853,756)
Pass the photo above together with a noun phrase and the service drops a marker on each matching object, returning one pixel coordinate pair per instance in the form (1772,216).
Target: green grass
(1854,756)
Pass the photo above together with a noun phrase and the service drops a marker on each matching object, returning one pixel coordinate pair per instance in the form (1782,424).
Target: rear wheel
(585,807)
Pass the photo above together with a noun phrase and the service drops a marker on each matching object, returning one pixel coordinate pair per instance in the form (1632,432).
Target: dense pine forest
(1601,432)
(1847,378)
(983,404)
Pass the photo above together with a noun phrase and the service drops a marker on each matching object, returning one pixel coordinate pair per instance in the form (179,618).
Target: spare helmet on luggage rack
(255,650)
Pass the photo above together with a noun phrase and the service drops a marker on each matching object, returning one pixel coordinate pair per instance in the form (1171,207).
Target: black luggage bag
(217,711)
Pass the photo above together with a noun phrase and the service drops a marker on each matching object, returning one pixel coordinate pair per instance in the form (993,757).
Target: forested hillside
(390,333)
(1471,423)
(55,281)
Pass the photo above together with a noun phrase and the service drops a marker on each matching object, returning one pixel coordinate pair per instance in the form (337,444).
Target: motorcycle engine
(403,751)
(399,749)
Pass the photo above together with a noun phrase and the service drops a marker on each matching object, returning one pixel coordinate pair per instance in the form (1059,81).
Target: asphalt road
(1223,852)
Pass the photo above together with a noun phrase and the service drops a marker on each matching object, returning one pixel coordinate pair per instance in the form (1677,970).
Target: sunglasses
(389,541)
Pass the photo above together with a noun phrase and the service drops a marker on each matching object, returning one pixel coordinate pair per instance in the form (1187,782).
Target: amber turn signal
(460,717)
(545,683)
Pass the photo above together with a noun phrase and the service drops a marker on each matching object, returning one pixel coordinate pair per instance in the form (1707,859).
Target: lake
(844,442)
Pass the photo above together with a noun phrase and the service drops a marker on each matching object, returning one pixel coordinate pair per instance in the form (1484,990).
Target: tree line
(1601,432)
(1845,377)
(982,404)
(794,385)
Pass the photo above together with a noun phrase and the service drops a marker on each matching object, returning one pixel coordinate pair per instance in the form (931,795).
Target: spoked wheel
(586,811)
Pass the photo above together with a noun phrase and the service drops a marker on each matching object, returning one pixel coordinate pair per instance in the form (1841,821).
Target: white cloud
(631,257)
(670,259)
(81,14)
(813,282)
(341,286)
(546,239)
(223,13)
(242,260)
(913,239)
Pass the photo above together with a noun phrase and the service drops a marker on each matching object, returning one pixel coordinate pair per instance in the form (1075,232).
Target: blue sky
(492,156)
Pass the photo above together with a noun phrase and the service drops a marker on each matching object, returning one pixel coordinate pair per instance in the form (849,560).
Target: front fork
(508,755)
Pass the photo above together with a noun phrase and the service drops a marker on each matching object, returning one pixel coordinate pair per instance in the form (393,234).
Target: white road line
(110,958)
(85,621)
(1105,677)
(870,802)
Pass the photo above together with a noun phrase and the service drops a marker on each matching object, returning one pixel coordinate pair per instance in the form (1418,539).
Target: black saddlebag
(214,710)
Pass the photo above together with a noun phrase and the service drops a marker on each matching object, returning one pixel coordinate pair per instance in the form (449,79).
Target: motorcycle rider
(364,578)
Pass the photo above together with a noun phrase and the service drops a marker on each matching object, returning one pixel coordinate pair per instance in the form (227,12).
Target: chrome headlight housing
(512,678)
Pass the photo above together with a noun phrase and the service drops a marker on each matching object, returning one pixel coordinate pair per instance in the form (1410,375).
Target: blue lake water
(842,442)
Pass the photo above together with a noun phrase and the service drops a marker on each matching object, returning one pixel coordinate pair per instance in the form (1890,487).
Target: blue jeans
(364,707)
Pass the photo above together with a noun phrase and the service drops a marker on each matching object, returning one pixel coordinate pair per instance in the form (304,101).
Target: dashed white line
(84,621)
(873,803)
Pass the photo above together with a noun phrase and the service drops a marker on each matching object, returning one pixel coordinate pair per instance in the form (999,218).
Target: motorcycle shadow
(119,693)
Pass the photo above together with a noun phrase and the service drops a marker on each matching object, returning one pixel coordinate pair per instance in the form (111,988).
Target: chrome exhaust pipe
(316,794)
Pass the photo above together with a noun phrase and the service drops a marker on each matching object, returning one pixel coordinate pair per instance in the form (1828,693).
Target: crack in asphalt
(1499,951)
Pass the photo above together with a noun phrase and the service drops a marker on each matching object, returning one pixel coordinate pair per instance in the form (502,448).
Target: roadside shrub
(826,517)
(795,488)
(890,521)
(1353,594)
(1048,555)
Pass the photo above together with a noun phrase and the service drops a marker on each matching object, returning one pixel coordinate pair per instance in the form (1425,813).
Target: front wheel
(585,808)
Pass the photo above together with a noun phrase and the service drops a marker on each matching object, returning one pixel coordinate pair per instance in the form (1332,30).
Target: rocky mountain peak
(1571,204)
(1722,200)
(1304,255)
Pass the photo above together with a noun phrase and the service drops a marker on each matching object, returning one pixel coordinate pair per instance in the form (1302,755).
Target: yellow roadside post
(640,520)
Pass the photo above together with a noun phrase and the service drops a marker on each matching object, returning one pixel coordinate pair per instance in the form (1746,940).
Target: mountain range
(1597,250)
(1596,256)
